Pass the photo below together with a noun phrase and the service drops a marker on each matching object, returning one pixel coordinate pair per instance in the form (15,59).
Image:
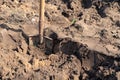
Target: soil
(81,40)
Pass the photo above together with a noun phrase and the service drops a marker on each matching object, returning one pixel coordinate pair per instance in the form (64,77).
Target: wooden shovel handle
(41,19)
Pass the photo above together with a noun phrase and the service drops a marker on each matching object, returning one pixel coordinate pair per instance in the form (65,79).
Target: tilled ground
(84,45)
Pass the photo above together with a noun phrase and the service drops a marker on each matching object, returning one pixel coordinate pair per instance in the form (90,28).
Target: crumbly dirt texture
(82,40)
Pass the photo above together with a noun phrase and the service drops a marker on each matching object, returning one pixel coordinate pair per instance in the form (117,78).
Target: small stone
(115,63)
(118,75)
(106,72)
(53,57)
(35,64)
(84,76)
(30,41)
(76,77)
(101,68)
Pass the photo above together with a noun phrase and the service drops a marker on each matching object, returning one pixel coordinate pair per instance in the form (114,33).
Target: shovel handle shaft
(41,19)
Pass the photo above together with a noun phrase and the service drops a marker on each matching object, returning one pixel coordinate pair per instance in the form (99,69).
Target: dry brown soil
(82,40)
